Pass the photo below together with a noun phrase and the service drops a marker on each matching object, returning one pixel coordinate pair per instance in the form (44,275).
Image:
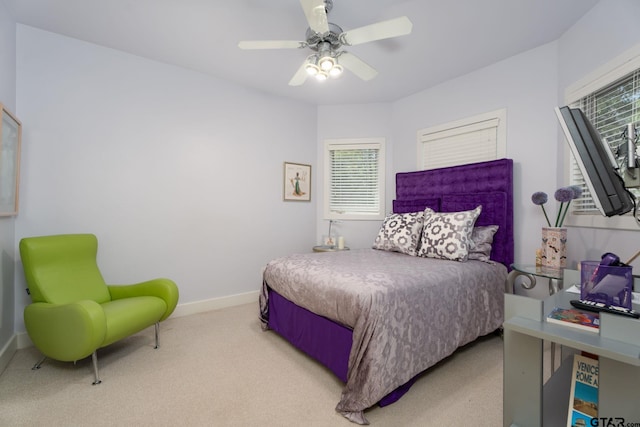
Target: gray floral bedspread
(407,313)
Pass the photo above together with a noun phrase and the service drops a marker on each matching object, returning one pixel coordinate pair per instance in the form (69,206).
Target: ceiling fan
(326,40)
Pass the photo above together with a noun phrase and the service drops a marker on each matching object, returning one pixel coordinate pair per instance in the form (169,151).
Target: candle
(340,242)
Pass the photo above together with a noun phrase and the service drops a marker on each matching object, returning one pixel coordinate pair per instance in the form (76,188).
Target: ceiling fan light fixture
(326,40)
(312,70)
(322,76)
(336,71)
(326,63)
(311,66)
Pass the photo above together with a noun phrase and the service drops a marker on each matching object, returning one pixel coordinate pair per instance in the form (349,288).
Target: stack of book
(574,318)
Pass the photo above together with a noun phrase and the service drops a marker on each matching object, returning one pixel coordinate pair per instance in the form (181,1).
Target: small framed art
(297,182)
(10,141)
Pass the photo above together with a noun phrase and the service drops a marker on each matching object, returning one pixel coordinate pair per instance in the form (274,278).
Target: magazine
(575,318)
(583,402)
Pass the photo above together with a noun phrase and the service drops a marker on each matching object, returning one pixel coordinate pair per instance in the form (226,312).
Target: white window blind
(355,179)
(609,109)
(471,140)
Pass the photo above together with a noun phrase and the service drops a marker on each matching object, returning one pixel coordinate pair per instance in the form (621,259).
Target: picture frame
(297,182)
(10,147)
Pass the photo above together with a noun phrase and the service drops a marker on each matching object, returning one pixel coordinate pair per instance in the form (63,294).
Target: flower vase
(554,247)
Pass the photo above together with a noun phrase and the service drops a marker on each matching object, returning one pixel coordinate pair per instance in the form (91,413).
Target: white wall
(7,224)
(604,33)
(7,58)
(354,121)
(178,174)
(526,85)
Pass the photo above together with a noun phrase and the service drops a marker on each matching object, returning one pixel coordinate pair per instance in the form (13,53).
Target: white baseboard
(215,304)
(22,340)
(7,352)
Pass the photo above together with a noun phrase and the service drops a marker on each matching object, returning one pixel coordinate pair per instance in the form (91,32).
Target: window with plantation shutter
(354,179)
(610,98)
(609,109)
(475,139)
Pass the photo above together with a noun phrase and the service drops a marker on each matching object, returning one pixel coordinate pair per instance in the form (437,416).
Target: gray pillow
(481,240)
(400,233)
(447,235)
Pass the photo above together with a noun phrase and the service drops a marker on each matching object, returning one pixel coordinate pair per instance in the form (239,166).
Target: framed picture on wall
(10,144)
(297,182)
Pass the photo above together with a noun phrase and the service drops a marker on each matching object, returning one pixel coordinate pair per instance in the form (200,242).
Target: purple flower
(564,194)
(577,191)
(539,198)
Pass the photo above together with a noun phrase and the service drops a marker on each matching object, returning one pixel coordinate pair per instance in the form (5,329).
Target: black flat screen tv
(596,162)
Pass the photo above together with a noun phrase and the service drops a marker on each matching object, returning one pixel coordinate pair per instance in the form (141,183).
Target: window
(609,110)
(610,100)
(354,179)
(475,139)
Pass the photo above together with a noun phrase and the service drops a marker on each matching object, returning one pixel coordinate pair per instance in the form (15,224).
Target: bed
(378,317)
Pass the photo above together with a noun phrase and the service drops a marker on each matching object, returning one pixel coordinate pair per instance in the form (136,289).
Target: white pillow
(400,233)
(447,235)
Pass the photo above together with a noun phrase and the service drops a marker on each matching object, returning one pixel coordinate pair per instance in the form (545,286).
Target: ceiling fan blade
(357,66)
(316,15)
(300,76)
(378,31)
(271,44)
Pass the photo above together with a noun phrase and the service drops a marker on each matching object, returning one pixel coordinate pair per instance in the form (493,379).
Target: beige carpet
(220,369)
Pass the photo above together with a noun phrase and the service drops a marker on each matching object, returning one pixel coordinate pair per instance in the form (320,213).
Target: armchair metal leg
(39,364)
(94,358)
(157,330)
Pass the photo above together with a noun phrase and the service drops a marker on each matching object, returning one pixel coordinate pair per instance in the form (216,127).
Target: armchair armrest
(66,332)
(164,289)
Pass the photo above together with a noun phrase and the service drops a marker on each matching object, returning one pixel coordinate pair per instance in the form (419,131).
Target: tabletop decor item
(329,239)
(606,284)
(554,238)
(554,247)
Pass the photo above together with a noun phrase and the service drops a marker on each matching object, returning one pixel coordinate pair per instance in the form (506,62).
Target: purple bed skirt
(324,340)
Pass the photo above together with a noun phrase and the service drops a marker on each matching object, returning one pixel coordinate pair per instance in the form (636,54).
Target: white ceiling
(450,38)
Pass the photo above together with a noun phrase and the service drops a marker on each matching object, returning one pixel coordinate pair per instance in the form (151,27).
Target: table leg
(555,285)
(511,281)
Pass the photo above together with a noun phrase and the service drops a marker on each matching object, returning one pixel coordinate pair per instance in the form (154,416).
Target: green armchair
(73,311)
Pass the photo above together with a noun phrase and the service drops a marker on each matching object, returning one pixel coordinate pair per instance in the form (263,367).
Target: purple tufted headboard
(459,188)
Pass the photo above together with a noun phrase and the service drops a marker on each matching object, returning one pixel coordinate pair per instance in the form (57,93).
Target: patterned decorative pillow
(400,233)
(481,240)
(447,235)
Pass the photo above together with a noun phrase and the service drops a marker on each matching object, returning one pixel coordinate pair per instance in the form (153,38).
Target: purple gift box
(606,284)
